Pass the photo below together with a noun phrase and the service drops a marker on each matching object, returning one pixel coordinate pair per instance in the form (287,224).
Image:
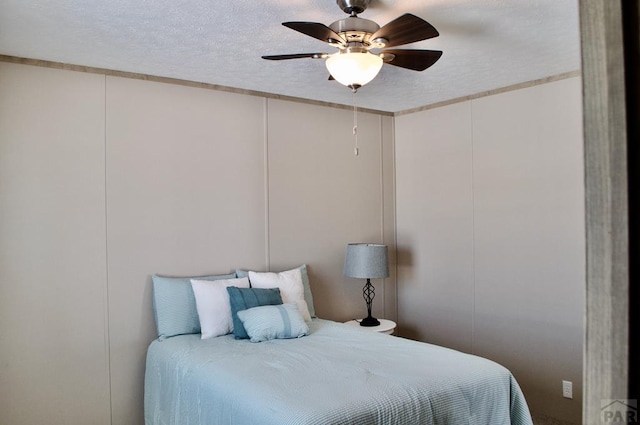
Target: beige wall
(53,299)
(105,181)
(322,197)
(185,170)
(490,224)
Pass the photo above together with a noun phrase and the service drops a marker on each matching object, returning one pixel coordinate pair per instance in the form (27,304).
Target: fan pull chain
(355,124)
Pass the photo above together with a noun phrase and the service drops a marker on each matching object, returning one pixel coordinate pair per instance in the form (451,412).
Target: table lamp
(367,261)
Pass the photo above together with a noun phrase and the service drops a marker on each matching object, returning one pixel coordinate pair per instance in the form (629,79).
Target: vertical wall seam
(395,221)
(473,235)
(107,313)
(267,237)
(382,206)
(395,213)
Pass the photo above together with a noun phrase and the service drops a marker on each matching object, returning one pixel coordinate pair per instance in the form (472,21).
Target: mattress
(336,375)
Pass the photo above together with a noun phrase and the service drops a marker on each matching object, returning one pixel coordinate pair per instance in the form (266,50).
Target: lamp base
(369,321)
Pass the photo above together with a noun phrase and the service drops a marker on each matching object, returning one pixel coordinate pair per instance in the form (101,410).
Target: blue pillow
(174,305)
(308,297)
(245,298)
(273,322)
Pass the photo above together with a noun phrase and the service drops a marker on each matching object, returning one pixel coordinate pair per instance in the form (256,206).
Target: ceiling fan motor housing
(353,6)
(355,29)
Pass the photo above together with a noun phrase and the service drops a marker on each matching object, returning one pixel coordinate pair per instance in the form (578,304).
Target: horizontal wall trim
(513,87)
(176,81)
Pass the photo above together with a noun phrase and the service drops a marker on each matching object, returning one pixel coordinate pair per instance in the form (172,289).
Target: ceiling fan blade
(417,60)
(296,56)
(316,30)
(406,29)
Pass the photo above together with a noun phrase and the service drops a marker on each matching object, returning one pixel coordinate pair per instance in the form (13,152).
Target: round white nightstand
(385,326)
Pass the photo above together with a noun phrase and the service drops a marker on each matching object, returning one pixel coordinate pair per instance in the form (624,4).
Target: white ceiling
(487,44)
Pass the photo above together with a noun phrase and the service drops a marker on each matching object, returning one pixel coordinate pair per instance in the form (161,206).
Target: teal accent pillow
(245,298)
(308,296)
(174,304)
(273,322)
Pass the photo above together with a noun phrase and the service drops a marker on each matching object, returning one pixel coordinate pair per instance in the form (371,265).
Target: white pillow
(212,303)
(290,285)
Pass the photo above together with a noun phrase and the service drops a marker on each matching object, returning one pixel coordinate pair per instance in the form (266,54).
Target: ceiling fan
(358,60)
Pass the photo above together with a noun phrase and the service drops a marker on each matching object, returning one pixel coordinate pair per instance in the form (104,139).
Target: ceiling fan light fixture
(354,69)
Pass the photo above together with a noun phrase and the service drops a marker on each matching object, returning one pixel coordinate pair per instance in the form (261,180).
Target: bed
(337,374)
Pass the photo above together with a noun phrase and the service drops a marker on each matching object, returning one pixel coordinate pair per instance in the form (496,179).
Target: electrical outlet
(567,389)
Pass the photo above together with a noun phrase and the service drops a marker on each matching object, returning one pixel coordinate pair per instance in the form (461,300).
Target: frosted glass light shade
(354,69)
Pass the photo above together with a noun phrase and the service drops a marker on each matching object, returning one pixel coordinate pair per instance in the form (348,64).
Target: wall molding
(526,84)
(177,81)
(188,83)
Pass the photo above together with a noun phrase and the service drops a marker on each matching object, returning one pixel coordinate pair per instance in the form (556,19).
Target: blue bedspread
(336,375)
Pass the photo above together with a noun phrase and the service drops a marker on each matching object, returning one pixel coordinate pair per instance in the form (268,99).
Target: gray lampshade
(366,261)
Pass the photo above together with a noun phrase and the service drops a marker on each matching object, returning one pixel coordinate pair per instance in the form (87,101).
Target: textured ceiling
(487,44)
